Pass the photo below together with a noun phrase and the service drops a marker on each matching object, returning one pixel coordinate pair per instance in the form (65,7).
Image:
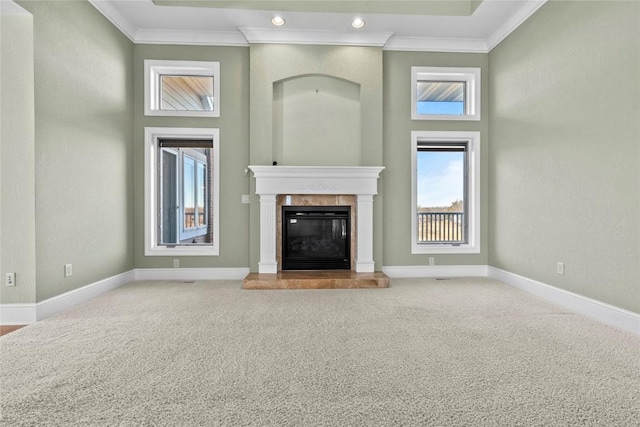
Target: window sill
(425,249)
(182,251)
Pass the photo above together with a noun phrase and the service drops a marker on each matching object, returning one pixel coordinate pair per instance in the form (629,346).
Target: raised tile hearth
(332,279)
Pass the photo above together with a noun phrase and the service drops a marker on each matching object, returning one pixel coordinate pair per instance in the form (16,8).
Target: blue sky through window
(431,107)
(440,178)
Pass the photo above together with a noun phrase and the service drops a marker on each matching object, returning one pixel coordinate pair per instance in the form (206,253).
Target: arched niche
(316,121)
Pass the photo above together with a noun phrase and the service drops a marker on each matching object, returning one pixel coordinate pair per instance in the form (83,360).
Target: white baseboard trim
(191,273)
(25,314)
(18,314)
(435,271)
(606,313)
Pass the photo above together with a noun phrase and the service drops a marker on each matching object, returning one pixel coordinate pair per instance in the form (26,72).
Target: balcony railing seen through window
(441,227)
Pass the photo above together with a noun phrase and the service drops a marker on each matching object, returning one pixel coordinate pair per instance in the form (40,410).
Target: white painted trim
(191,273)
(606,313)
(25,314)
(191,38)
(469,75)
(18,314)
(151,136)
(112,14)
(77,296)
(473,187)
(527,9)
(154,69)
(435,271)
(346,38)
(433,44)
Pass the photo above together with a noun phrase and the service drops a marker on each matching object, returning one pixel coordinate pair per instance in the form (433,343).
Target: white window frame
(152,135)
(155,69)
(473,193)
(470,76)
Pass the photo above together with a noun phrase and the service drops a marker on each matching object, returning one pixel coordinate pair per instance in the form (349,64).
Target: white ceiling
(145,22)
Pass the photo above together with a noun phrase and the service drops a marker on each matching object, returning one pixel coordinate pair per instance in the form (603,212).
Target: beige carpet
(424,352)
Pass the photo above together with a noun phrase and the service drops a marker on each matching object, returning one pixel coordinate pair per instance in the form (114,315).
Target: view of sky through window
(440,179)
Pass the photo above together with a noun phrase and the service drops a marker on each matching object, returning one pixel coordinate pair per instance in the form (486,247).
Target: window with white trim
(445,192)
(181,191)
(181,88)
(445,93)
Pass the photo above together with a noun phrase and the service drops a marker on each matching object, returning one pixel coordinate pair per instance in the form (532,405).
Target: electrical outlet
(68,270)
(560,268)
(176,263)
(432,261)
(10,279)
(245,198)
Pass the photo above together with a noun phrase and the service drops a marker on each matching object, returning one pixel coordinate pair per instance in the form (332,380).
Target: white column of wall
(364,256)
(268,262)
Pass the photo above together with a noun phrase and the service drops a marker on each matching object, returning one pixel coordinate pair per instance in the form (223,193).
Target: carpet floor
(471,352)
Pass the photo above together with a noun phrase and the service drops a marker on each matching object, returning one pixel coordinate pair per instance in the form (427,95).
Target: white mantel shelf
(361,181)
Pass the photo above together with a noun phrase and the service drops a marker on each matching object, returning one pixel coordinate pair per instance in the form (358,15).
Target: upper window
(181,191)
(445,215)
(439,93)
(182,88)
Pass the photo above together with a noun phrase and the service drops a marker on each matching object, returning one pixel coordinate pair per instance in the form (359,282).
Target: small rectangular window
(182,88)
(441,97)
(187,93)
(440,93)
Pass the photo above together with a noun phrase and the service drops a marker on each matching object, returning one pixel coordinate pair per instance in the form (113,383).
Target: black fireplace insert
(316,238)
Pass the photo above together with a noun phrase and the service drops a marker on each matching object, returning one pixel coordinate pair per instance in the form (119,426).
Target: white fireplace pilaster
(364,254)
(361,181)
(268,263)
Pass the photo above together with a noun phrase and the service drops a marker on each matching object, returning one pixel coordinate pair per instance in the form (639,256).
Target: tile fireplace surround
(359,181)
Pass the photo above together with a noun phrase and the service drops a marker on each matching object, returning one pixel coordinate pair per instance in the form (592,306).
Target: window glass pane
(441,194)
(185,200)
(202,192)
(189,197)
(186,93)
(434,97)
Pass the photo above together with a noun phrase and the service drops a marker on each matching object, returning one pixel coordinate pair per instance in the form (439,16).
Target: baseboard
(191,273)
(606,313)
(18,314)
(435,271)
(25,314)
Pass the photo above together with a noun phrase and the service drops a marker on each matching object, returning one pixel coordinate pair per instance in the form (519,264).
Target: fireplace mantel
(361,181)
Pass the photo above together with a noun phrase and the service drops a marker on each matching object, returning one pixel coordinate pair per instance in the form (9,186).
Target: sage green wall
(565,150)
(397,153)
(234,151)
(83,146)
(17,164)
(361,65)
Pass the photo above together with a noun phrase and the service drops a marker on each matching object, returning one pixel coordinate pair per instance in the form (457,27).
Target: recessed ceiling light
(357,23)
(278,21)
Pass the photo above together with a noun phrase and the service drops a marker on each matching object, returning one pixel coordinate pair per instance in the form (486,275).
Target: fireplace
(359,182)
(316,238)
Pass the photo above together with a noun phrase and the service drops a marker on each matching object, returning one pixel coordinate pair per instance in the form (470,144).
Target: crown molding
(116,18)
(346,38)
(424,44)
(528,8)
(203,38)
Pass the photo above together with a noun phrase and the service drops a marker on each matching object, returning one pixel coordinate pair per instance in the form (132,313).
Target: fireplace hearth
(316,238)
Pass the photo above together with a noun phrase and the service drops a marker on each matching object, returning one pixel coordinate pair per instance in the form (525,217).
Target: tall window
(445,192)
(184,202)
(181,191)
